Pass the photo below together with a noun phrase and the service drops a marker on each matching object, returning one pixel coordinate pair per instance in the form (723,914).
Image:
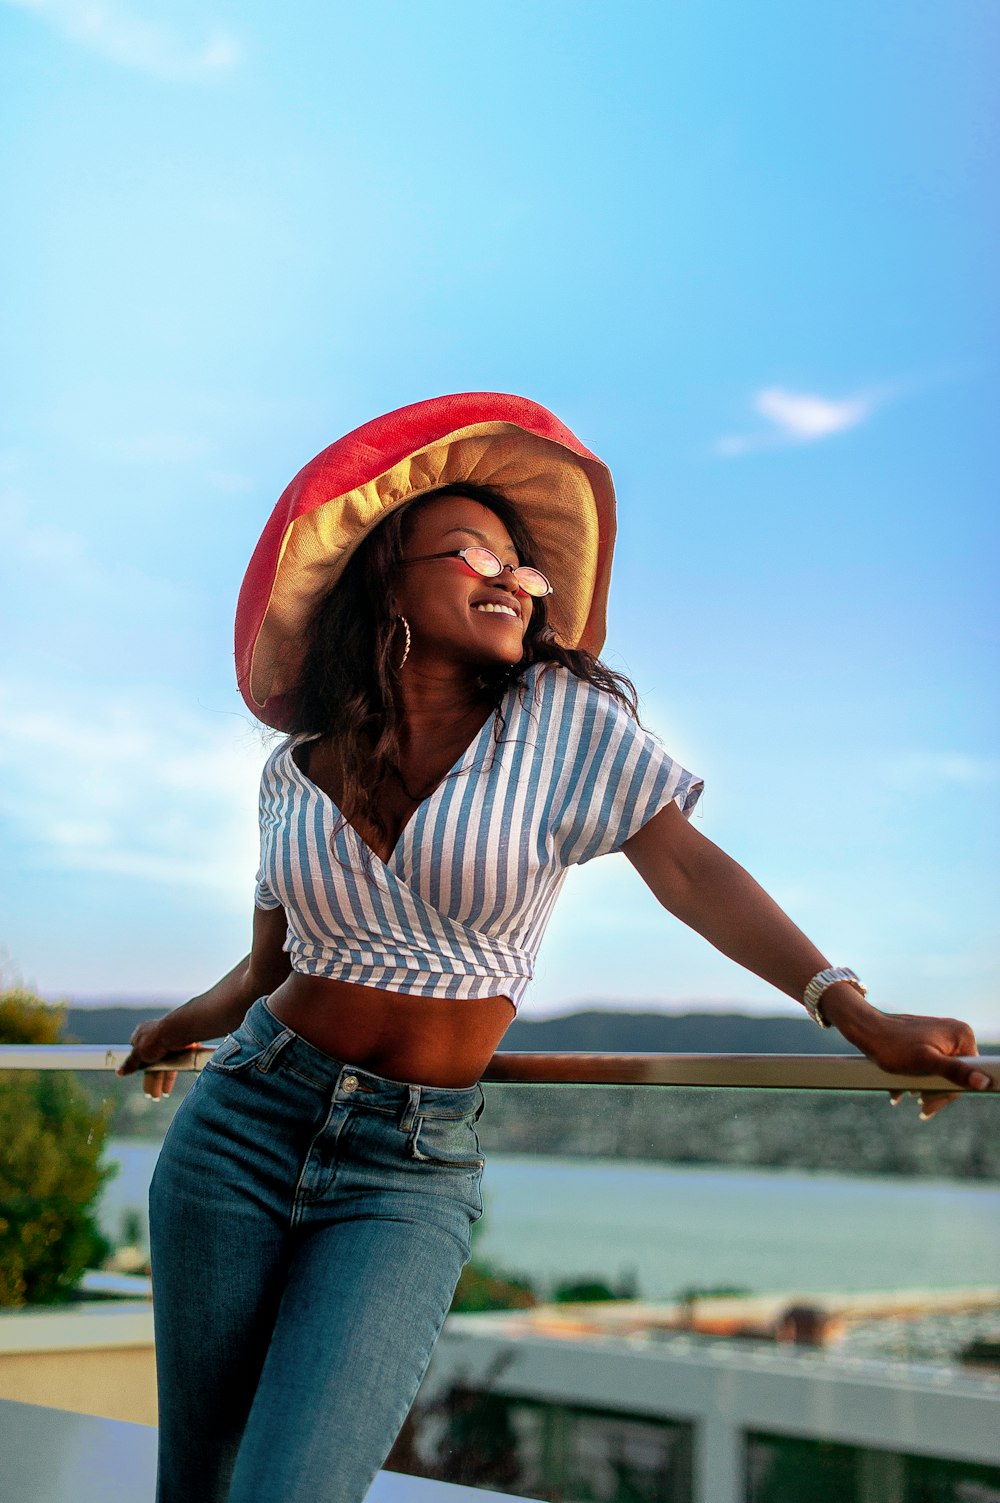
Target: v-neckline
(423,805)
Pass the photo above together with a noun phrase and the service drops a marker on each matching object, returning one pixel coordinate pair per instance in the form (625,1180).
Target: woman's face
(456,616)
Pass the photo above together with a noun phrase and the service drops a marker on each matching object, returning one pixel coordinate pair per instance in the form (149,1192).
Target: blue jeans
(308,1224)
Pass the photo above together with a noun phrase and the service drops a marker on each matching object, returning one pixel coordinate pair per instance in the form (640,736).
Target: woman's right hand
(147,1047)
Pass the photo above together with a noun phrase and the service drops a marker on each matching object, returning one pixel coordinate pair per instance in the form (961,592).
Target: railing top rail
(797,1072)
(814,1072)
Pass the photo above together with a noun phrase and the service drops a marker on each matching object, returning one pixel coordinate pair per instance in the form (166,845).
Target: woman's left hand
(938,1044)
(907,1044)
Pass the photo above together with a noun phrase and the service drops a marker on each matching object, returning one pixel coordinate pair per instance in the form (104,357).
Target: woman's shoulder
(280,756)
(557,692)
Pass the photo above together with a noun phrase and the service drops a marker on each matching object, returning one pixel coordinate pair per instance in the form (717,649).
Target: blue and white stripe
(460,907)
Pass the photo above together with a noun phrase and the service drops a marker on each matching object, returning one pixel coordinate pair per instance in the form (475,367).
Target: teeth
(503,610)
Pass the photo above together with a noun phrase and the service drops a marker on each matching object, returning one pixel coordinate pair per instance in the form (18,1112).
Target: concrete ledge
(94,1359)
(51,1457)
(76,1327)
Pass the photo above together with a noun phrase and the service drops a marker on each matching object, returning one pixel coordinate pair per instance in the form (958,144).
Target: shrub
(51,1141)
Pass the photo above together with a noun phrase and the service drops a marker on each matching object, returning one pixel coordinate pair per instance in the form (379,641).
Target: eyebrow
(474,532)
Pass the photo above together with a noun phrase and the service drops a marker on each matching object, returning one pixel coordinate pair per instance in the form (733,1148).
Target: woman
(455,747)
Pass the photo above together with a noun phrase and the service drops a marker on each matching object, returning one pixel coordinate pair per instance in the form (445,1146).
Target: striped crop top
(460,907)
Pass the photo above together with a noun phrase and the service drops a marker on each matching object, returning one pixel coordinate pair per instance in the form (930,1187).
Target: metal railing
(794,1072)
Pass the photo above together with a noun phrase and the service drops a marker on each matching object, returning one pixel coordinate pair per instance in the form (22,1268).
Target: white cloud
(112,31)
(806,418)
(921,772)
(142,788)
(799,418)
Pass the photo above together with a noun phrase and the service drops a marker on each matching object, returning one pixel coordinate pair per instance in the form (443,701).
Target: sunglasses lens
(483,561)
(532,581)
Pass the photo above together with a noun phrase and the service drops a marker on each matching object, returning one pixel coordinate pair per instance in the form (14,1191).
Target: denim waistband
(345,1079)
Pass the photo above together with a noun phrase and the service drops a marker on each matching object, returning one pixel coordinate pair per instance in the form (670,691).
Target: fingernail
(979,1082)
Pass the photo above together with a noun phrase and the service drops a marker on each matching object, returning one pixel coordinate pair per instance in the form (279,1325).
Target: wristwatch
(819,984)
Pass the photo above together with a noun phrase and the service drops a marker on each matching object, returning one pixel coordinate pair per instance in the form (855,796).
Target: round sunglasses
(484,562)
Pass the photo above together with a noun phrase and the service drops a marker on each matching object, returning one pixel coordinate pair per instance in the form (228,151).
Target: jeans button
(349,1083)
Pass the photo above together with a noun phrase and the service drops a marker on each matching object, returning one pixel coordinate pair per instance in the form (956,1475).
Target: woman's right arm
(217,1011)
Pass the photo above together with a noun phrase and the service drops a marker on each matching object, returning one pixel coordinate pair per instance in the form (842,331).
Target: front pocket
(451,1142)
(236,1052)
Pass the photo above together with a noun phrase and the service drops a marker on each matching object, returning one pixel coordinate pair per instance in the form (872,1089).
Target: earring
(406,643)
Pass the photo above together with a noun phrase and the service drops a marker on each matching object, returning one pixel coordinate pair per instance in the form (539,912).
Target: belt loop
(273,1049)
(411,1109)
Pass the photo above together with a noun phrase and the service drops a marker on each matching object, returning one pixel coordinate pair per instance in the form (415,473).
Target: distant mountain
(601,1032)
(594,1031)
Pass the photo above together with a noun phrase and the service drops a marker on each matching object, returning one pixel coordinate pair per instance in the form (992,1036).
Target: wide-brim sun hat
(563,491)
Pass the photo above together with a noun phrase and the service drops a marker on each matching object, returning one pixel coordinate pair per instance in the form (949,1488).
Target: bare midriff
(435,1041)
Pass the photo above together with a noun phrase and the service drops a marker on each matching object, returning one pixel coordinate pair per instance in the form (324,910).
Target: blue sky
(745,252)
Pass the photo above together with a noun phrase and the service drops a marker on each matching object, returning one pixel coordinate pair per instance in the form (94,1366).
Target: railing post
(718,1461)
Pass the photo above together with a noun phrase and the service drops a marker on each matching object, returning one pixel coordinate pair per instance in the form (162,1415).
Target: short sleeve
(263,897)
(621,776)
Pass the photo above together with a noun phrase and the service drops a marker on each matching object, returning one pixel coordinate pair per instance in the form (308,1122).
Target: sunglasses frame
(515,569)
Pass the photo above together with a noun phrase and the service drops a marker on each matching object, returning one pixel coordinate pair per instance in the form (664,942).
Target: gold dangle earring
(406,643)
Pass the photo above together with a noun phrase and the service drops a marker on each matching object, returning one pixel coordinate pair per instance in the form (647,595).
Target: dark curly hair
(347,689)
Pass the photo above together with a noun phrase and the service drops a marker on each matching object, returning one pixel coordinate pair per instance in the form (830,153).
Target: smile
(502,610)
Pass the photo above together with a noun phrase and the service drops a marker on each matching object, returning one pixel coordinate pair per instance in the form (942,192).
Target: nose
(502,579)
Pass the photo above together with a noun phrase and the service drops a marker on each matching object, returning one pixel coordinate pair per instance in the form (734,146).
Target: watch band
(818,985)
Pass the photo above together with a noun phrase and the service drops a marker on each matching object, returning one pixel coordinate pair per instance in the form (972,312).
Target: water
(665,1228)
(673,1227)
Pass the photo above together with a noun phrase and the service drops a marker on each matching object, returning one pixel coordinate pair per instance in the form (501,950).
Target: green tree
(51,1141)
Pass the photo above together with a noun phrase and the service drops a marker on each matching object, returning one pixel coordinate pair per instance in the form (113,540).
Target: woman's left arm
(712,894)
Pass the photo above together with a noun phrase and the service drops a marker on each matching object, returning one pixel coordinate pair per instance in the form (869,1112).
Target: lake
(665,1227)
